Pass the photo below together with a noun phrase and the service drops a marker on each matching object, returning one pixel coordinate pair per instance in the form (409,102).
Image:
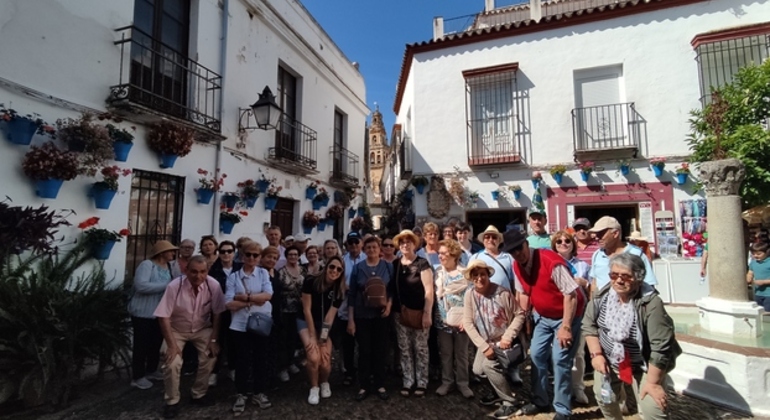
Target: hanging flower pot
(167,160)
(263,185)
(122,150)
(351,213)
(625,170)
(20,130)
(310,192)
(420,188)
(102,251)
(495,195)
(270,202)
(361,211)
(322,225)
(307,230)
(681,178)
(657,170)
(230,200)
(251,202)
(558,178)
(331,222)
(517,194)
(535,183)
(317,204)
(48,188)
(102,196)
(205,195)
(584,176)
(325,201)
(226,226)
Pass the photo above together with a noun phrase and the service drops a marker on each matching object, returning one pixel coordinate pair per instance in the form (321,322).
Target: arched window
(371,158)
(379,159)
(374,139)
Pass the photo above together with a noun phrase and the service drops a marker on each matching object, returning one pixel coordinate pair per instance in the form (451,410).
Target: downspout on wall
(223,69)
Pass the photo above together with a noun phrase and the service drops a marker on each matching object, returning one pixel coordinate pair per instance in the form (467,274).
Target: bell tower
(378,153)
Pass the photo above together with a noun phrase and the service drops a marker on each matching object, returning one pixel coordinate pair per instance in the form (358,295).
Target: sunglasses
(390,245)
(336,268)
(226,251)
(490,237)
(623,276)
(563,242)
(601,233)
(251,254)
(353,242)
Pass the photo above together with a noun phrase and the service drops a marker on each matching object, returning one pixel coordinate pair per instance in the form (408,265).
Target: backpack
(375,293)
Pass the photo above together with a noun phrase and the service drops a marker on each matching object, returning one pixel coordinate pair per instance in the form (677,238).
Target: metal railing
(295,143)
(165,80)
(718,62)
(344,166)
(608,127)
(493,141)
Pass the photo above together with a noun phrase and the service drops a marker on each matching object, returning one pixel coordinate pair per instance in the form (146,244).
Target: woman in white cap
(150,281)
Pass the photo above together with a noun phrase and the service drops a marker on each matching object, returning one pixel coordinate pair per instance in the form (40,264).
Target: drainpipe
(223,69)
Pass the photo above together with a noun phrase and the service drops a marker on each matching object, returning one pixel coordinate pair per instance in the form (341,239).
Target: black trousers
(146,347)
(346,343)
(227,349)
(252,352)
(288,341)
(372,338)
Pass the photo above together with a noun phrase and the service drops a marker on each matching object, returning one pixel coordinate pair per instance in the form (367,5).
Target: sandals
(362,394)
(382,394)
(405,392)
(419,392)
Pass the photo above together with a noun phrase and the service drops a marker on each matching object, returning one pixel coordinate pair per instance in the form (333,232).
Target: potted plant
(104,191)
(682,171)
(536,178)
(231,199)
(309,221)
(624,166)
(473,197)
(557,172)
(49,167)
(658,163)
(351,212)
(516,190)
(358,224)
(89,140)
(122,141)
(264,182)
(100,240)
(170,140)
(271,197)
(312,189)
(321,199)
(499,192)
(228,220)
(19,129)
(208,185)
(585,169)
(249,192)
(335,212)
(420,182)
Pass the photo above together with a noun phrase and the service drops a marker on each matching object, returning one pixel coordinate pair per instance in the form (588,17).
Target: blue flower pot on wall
(251,202)
(20,130)
(102,197)
(326,201)
(270,203)
(205,195)
(558,178)
(624,170)
(322,225)
(517,195)
(102,251)
(584,176)
(226,226)
(310,192)
(657,170)
(307,230)
(167,161)
(317,204)
(681,179)
(48,188)
(351,213)
(263,185)
(361,211)
(495,195)
(535,183)
(420,188)
(121,150)
(230,201)
(331,222)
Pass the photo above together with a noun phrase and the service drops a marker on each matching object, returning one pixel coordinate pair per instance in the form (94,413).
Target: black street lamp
(266,111)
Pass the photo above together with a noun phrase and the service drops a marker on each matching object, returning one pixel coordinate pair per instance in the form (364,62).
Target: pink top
(188,312)
(587,253)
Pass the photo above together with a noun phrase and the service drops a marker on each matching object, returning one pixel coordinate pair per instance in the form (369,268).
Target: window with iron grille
(492,115)
(719,61)
(155,213)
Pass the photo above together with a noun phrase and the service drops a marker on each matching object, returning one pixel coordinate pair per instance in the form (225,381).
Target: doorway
(626,213)
(283,216)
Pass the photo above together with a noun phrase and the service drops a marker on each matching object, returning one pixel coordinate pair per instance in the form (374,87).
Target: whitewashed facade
(491,106)
(66,56)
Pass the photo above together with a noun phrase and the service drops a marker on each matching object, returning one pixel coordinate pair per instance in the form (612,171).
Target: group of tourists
(429,297)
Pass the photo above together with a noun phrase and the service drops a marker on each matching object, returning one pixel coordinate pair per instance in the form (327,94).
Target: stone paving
(114,399)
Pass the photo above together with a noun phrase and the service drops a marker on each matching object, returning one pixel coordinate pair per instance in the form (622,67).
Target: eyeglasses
(353,242)
(333,267)
(600,234)
(445,254)
(390,245)
(251,254)
(563,242)
(226,251)
(622,276)
(579,228)
(490,237)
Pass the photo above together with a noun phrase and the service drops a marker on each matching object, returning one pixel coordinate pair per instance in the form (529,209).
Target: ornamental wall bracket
(439,199)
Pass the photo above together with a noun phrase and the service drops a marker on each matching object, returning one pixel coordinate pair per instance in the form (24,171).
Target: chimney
(438,28)
(489,5)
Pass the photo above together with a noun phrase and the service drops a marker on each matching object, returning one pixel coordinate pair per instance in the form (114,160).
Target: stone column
(727,309)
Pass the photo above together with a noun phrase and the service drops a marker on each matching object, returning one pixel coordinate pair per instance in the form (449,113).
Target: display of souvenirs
(665,233)
(693,214)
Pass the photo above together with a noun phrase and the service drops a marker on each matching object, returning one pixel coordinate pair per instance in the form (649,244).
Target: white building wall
(64,51)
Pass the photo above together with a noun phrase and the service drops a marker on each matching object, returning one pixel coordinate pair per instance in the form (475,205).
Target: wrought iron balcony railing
(295,145)
(608,127)
(494,141)
(344,166)
(166,81)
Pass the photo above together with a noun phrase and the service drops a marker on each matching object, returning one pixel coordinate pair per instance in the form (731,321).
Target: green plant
(10,114)
(110,176)
(684,168)
(232,216)
(587,167)
(95,236)
(557,170)
(55,320)
(321,194)
(90,140)
(731,125)
(420,180)
(515,187)
(659,162)
(120,135)
(171,139)
(249,189)
(28,228)
(49,162)
(214,182)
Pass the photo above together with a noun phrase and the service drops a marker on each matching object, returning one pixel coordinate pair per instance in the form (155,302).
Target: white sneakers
(240,404)
(155,376)
(142,383)
(313,398)
(283,376)
(326,390)
(293,369)
(213,379)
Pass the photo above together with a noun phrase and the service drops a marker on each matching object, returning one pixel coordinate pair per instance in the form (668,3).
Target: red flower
(244,213)
(89,222)
(124,232)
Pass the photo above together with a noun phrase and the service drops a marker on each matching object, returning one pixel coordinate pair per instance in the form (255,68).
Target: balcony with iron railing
(344,167)
(295,147)
(158,82)
(608,131)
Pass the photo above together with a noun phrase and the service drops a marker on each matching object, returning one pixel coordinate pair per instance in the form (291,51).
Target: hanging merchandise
(693,214)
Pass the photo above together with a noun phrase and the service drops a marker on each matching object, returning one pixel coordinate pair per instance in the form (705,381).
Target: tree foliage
(735,124)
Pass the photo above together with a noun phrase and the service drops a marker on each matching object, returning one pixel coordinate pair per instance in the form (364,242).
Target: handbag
(510,357)
(411,318)
(258,323)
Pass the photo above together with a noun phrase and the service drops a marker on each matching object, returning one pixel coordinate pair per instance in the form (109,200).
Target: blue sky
(375,34)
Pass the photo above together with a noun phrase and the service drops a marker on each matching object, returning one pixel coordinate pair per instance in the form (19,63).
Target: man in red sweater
(545,287)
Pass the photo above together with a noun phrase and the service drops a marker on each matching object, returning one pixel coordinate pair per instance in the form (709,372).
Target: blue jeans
(544,341)
(763,301)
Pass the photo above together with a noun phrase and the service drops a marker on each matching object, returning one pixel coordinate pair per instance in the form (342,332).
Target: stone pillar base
(740,319)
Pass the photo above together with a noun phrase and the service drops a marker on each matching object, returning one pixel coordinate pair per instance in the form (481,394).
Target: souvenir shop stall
(682,239)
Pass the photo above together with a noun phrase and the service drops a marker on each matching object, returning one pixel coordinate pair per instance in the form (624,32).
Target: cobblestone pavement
(114,399)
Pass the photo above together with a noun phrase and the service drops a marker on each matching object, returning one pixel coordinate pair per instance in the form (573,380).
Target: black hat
(513,239)
(353,236)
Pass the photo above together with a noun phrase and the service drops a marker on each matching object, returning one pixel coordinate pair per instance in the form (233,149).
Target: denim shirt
(256,282)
